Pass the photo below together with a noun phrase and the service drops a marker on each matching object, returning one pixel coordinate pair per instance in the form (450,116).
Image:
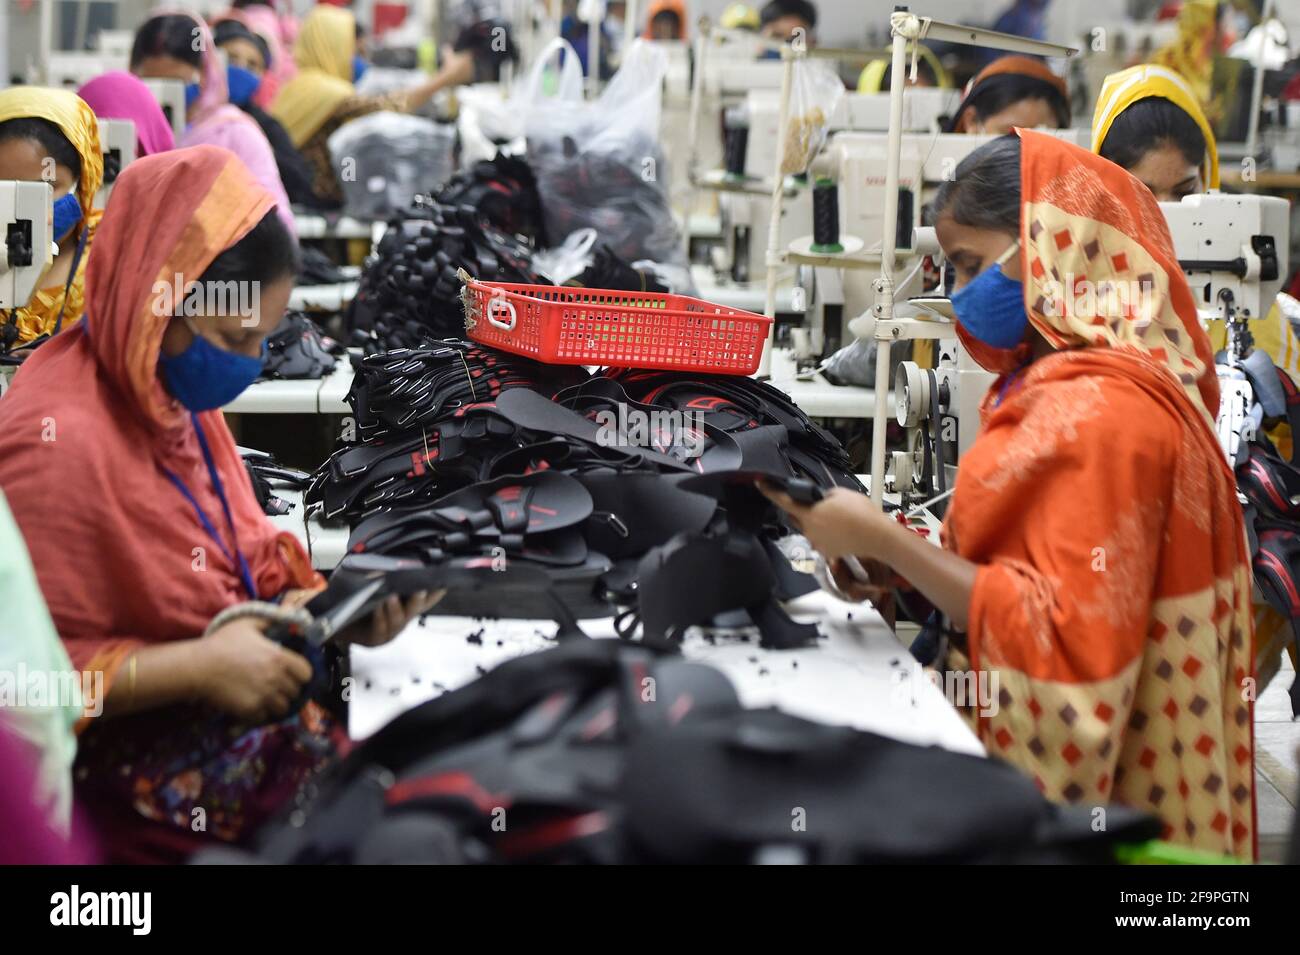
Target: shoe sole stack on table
(452,434)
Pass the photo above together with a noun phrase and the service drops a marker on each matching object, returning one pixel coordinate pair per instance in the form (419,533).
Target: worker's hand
(843,522)
(297,597)
(457,66)
(878,589)
(243,673)
(389,619)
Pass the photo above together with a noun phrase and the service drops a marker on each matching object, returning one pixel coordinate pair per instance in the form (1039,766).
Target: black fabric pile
(297,348)
(486,220)
(425,426)
(753,412)
(592,774)
(317,268)
(468,454)
(267,475)
(478,222)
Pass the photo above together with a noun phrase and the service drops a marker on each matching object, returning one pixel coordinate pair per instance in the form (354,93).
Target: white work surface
(299,396)
(323,298)
(857,675)
(310,225)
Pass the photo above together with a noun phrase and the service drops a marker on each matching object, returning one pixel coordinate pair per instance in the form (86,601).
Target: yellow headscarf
(76,120)
(1191,53)
(326,45)
(872,77)
(1121,90)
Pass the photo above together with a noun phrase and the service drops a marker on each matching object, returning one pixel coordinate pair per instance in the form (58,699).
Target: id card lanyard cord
(237,558)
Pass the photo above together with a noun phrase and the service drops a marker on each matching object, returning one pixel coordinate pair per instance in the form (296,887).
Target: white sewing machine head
(923,110)
(117,139)
(170,95)
(1233,249)
(26,244)
(858,162)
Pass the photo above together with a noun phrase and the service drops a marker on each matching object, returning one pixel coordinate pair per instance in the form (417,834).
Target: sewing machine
(70,69)
(1234,251)
(26,216)
(170,95)
(924,110)
(117,140)
(744,215)
(856,161)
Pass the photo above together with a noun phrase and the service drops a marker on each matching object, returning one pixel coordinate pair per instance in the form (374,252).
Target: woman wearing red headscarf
(122,415)
(1094,572)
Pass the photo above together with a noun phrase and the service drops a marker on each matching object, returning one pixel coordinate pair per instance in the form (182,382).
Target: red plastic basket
(586,326)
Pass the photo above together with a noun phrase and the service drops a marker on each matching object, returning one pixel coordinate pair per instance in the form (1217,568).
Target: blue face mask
(203,376)
(67,213)
(192,91)
(359,67)
(991,307)
(242,84)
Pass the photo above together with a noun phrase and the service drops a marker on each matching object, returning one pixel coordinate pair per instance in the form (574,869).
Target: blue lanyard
(238,557)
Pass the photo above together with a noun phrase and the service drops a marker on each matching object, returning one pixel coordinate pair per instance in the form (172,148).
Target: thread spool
(826,217)
(735,136)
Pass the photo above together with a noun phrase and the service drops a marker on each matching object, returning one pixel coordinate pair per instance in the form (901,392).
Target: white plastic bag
(383,160)
(815,94)
(486,124)
(568,259)
(531,102)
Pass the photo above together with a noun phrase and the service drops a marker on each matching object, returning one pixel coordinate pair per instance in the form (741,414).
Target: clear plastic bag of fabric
(815,94)
(383,160)
(598,163)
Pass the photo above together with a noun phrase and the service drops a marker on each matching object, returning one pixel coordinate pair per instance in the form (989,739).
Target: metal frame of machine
(906,29)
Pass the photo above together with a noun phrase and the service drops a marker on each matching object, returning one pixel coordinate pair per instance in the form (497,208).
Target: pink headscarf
(215,122)
(264,21)
(119,95)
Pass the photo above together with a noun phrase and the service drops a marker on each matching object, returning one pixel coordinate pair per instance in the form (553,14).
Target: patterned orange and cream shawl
(1111,609)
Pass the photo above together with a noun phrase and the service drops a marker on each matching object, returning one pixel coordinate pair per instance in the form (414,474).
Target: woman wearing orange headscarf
(1094,570)
(1012,91)
(666,20)
(121,414)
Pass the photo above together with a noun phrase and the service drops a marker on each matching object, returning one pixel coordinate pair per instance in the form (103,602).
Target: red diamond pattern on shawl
(1139,314)
(1189,710)
(1080,192)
